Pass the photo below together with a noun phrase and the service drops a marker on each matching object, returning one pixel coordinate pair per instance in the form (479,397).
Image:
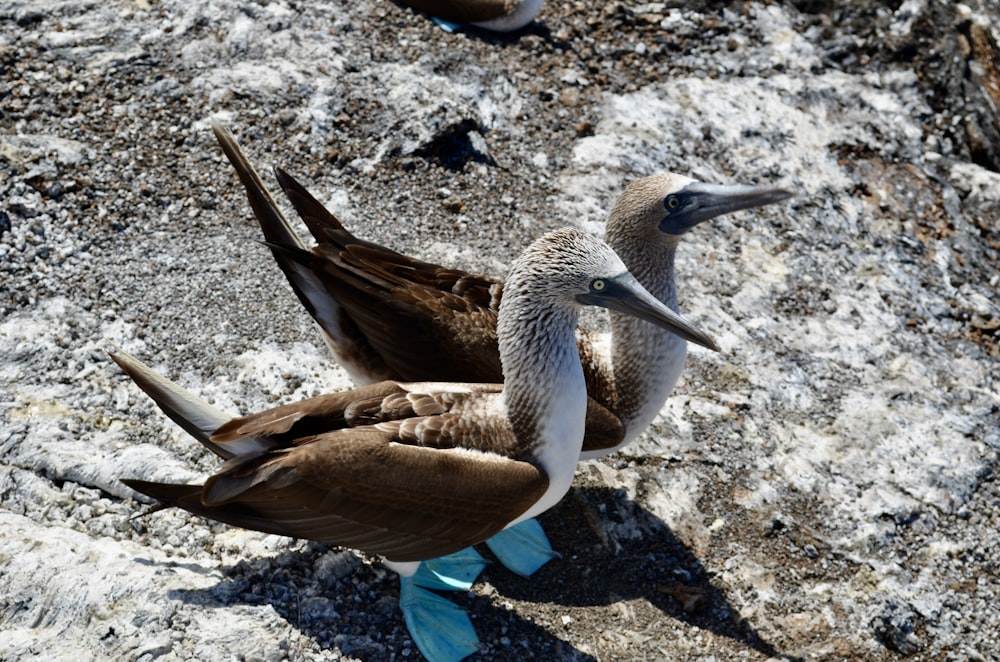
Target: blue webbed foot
(454,572)
(447,26)
(523,548)
(441,630)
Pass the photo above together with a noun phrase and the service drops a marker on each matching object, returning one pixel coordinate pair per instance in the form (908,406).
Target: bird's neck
(647,360)
(544,389)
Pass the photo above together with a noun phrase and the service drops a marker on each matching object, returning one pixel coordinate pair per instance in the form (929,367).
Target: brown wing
(360,488)
(323,225)
(339,331)
(394,405)
(309,417)
(475,289)
(421,323)
(277,229)
(386,316)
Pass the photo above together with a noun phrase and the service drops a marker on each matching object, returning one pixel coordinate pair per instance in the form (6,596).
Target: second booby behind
(413,471)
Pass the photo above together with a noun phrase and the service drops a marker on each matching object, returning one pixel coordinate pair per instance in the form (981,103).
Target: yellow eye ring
(672,202)
(598,285)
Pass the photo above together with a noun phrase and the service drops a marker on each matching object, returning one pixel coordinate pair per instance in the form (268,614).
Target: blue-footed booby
(388,316)
(497,15)
(414,471)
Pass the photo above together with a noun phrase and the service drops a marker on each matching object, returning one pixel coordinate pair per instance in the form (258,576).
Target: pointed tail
(197,417)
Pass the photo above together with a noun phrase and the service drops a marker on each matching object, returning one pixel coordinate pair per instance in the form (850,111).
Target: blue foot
(523,548)
(447,26)
(441,630)
(454,572)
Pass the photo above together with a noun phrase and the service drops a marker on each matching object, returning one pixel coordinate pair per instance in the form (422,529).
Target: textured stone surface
(824,488)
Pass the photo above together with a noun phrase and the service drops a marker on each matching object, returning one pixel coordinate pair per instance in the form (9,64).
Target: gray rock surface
(823,488)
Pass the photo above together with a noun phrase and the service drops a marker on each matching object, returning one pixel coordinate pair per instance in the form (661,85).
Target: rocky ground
(823,489)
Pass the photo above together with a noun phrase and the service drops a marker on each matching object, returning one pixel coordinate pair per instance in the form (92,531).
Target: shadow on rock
(614,551)
(341,602)
(602,568)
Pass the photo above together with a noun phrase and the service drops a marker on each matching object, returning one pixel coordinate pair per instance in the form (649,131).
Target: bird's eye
(598,285)
(672,202)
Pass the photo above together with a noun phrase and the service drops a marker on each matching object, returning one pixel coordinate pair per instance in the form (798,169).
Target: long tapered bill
(706,201)
(624,294)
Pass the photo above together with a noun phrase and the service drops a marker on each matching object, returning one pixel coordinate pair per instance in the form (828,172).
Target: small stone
(454,205)
(570,96)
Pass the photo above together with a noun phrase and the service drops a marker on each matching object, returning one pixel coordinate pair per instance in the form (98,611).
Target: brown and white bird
(389,316)
(414,471)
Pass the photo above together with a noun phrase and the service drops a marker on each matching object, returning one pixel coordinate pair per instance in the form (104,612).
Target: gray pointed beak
(624,294)
(711,200)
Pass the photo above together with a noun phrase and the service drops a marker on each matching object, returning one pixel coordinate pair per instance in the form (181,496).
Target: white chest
(561,438)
